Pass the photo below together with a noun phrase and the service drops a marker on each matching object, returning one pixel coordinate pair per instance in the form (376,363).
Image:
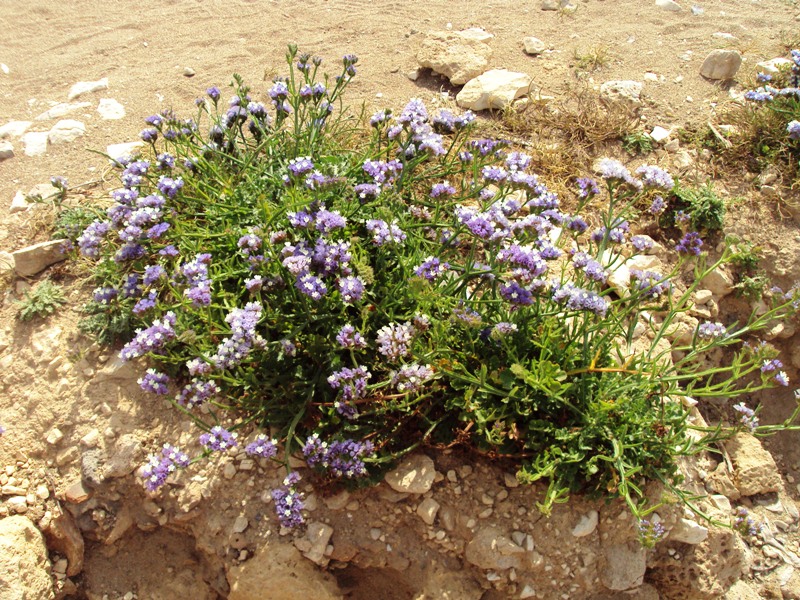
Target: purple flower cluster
(263,447)
(154,382)
(576,298)
(431,268)
(641,243)
(383,233)
(529,261)
(159,467)
(300,166)
(793,129)
(289,502)
(655,177)
(383,173)
(690,244)
(591,268)
(442,189)
(613,170)
(394,340)
(353,386)
(342,458)
(218,439)
(196,393)
(658,206)
(514,293)
(351,289)
(744,524)
(615,235)
(711,331)
(447,122)
(503,329)
(747,416)
(411,378)
(198,282)
(104,295)
(650,283)
(650,533)
(311,285)
(244,337)
(348,337)
(89,240)
(587,187)
(151,339)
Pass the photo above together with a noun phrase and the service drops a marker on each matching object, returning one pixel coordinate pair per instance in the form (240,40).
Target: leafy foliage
(40,302)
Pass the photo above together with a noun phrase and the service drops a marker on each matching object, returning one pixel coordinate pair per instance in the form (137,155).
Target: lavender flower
(711,331)
(145,303)
(613,170)
(411,378)
(311,285)
(196,393)
(198,282)
(169,186)
(154,382)
(218,439)
(747,416)
(793,129)
(327,220)
(781,378)
(89,240)
(576,298)
(650,533)
(516,294)
(494,174)
(587,187)
(213,93)
(104,295)
(658,206)
(383,233)
(650,283)
(502,330)
(149,135)
(198,366)
(263,447)
(367,191)
(158,468)
(641,243)
(577,224)
(690,244)
(394,340)
(289,502)
(517,161)
(300,165)
(431,268)
(351,382)
(744,524)
(655,177)
(341,458)
(348,337)
(442,189)
(351,288)
(235,349)
(151,339)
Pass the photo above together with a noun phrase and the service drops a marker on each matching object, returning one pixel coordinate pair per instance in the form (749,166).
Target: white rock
(66,131)
(6,150)
(719,282)
(91,439)
(456,57)
(24,565)
(724,36)
(54,436)
(659,134)
(414,475)
(586,525)
(625,92)
(59,110)
(688,532)
(670,5)
(475,33)
(527,592)
(14,129)
(533,45)
(772,67)
(4,68)
(755,471)
(19,203)
(33,259)
(494,89)
(622,566)
(427,510)
(122,151)
(188,72)
(84,87)
(240,524)
(110,109)
(491,549)
(35,143)
(721,65)
(319,534)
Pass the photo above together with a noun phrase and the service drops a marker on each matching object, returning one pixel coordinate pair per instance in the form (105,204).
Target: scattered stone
(85,87)
(490,549)
(229,470)
(494,89)
(66,131)
(624,92)
(34,143)
(124,459)
(24,566)
(527,592)
(339,501)
(456,56)
(682,160)
(622,566)
(414,475)
(34,259)
(669,5)
(76,492)
(247,464)
(688,532)
(110,109)
(93,463)
(18,504)
(549,4)
(43,191)
(697,11)
(4,68)
(510,480)
(19,203)
(54,436)
(476,34)
(721,35)
(64,536)
(6,150)
(719,282)
(14,129)
(427,510)
(660,134)
(755,471)
(240,524)
(59,110)
(91,439)
(586,525)
(188,72)
(772,67)
(42,492)
(319,534)
(533,46)
(117,152)
(721,65)
(12,490)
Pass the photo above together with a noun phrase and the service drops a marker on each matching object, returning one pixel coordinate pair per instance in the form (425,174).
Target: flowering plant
(360,295)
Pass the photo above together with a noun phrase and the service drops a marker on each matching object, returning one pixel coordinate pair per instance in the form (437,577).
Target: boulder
(495,89)
(24,566)
(721,65)
(755,471)
(457,56)
(34,259)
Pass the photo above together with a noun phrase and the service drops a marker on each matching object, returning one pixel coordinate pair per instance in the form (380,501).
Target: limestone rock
(669,5)
(14,129)
(755,471)
(494,89)
(65,131)
(721,65)
(6,150)
(278,570)
(110,109)
(586,525)
(688,532)
(19,203)
(622,566)
(772,67)
(414,475)
(491,549)
(475,33)
(624,92)
(85,87)
(6,263)
(59,110)
(720,482)
(64,536)
(660,134)
(457,57)
(549,5)
(719,282)
(427,510)
(33,259)
(34,143)
(123,460)
(24,566)
(126,150)
(533,46)
(318,535)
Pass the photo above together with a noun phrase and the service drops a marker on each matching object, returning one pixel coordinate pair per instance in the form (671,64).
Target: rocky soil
(75,521)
